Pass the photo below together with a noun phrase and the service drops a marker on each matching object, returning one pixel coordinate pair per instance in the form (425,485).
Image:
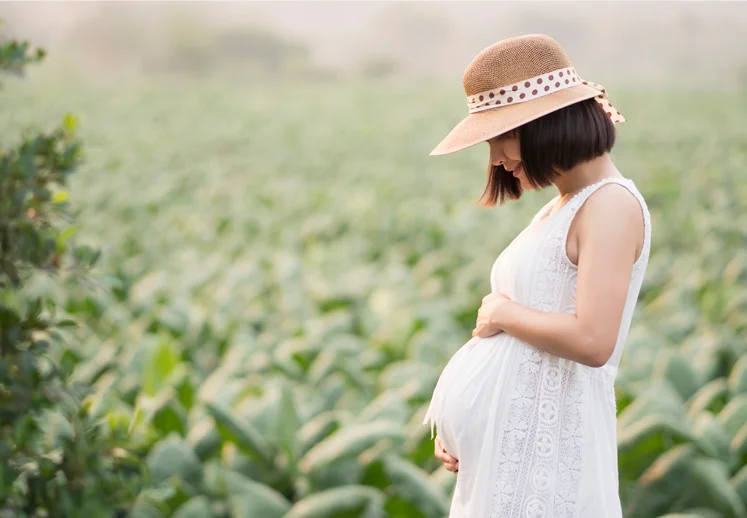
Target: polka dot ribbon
(535,87)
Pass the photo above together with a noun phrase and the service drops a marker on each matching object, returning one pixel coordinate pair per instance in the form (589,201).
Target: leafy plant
(55,460)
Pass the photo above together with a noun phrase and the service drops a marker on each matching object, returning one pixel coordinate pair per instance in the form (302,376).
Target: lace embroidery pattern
(540,454)
(539,468)
(541,451)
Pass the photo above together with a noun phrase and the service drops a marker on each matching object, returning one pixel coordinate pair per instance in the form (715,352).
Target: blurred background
(685,45)
(277,272)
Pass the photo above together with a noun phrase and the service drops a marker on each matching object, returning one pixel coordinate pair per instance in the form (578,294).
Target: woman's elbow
(598,353)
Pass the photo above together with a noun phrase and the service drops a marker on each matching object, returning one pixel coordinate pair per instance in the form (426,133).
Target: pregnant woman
(525,411)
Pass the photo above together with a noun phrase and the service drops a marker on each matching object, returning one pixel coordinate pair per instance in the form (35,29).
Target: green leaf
(350,441)
(660,485)
(645,440)
(147,505)
(70,123)
(324,364)
(165,406)
(659,399)
(287,426)
(443,479)
(413,485)
(86,373)
(398,507)
(651,425)
(173,457)
(170,416)
(241,433)
(711,437)
(184,384)
(414,378)
(419,444)
(710,397)
(711,477)
(66,323)
(263,413)
(388,406)
(62,197)
(57,430)
(674,367)
(694,513)
(738,377)
(249,499)
(87,256)
(739,484)
(197,507)
(341,472)
(372,474)
(734,414)
(738,447)
(316,429)
(163,358)
(300,350)
(332,391)
(342,502)
(204,439)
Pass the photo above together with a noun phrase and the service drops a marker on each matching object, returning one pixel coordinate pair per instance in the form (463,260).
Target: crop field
(285,272)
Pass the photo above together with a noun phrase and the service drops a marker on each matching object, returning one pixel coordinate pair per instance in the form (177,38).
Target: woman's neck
(585,174)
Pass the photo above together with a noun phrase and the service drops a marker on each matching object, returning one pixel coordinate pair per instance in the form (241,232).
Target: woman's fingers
(442,454)
(450,458)
(450,462)
(446,458)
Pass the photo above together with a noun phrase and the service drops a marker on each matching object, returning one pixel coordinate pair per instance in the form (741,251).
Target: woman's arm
(610,236)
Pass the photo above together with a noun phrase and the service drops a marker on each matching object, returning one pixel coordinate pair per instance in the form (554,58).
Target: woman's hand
(450,463)
(489,315)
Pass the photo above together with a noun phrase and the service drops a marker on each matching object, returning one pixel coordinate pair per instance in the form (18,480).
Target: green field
(285,272)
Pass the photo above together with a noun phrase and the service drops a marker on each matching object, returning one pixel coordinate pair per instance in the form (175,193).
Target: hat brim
(482,126)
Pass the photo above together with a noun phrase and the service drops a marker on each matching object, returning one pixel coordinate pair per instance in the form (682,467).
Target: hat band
(535,87)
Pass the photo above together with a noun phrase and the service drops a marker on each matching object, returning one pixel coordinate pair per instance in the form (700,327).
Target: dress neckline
(544,215)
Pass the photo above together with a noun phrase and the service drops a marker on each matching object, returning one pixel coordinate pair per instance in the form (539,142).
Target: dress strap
(580,198)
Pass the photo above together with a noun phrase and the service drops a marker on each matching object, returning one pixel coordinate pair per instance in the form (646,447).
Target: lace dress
(535,434)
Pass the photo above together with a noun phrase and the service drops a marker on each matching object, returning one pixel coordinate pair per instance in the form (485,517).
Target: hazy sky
(693,41)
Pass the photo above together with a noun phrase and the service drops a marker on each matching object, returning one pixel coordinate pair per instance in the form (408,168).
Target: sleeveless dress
(535,434)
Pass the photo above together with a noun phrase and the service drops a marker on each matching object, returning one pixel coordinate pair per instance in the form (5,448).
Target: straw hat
(515,81)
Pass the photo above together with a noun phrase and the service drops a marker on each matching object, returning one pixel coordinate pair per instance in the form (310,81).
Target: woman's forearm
(560,334)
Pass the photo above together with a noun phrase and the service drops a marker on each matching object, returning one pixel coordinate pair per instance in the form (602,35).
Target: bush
(54,459)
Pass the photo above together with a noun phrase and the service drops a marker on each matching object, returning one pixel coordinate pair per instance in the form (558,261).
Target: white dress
(535,434)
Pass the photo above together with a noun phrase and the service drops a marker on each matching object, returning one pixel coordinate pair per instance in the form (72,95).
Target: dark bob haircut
(555,142)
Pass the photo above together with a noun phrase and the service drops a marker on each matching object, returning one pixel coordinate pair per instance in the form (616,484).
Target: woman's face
(506,151)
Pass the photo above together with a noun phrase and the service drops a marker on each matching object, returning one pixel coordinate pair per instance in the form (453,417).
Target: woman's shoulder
(616,200)
(616,211)
(620,196)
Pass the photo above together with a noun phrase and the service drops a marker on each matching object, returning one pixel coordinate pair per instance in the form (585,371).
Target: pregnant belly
(470,389)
